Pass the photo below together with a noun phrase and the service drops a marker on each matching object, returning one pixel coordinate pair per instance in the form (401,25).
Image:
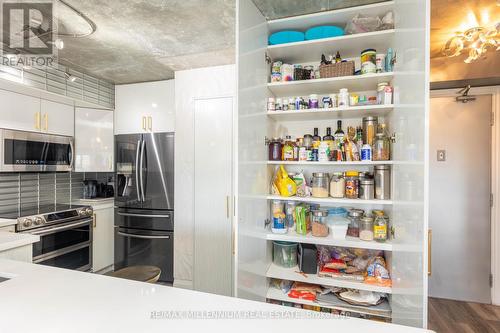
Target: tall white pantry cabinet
(407,119)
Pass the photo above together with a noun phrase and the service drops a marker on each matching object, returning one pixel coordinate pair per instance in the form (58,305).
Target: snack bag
(286,186)
(377,274)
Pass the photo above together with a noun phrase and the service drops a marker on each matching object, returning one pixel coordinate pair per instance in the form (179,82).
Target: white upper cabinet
(94,140)
(27,113)
(57,118)
(145,107)
(20,112)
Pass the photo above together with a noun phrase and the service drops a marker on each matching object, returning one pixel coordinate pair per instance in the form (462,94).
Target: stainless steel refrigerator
(144,201)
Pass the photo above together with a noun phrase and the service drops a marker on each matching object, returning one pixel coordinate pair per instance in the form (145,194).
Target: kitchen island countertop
(38,298)
(11,240)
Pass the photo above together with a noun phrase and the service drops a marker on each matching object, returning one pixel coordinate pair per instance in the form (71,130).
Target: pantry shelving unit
(407,120)
(329,113)
(382,310)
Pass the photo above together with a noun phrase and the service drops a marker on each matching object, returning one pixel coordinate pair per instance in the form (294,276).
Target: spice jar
(320,185)
(275,148)
(318,221)
(366,189)
(354,216)
(366,228)
(380,228)
(337,185)
(351,184)
(381,147)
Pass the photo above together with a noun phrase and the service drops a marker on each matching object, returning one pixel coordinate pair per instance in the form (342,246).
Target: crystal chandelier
(474,41)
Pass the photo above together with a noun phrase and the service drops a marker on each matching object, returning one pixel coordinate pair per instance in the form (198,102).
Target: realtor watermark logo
(28,36)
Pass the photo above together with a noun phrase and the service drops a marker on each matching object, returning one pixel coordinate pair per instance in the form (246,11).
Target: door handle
(144,124)
(141,171)
(46,122)
(429,252)
(37,121)
(150,123)
(141,236)
(227,206)
(137,169)
(95,220)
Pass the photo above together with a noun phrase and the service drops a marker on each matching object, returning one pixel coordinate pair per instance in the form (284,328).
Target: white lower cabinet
(94,140)
(21,253)
(103,239)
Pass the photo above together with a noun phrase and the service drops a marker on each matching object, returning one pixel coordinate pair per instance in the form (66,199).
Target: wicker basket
(300,74)
(345,68)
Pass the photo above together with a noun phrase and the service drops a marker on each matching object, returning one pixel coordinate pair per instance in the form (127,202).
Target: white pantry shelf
(349,46)
(382,310)
(337,17)
(332,113)
(293,274)
(332,163)
(351,242)
(353,83)
(331,200)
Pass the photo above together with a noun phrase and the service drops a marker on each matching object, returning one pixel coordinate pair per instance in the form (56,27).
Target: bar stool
(149,274)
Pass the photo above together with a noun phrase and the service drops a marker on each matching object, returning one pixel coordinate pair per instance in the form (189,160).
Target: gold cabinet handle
(227,206)
(94,219)
(429,252)
(37,120)
(150,123)
(46,122)
(144,124)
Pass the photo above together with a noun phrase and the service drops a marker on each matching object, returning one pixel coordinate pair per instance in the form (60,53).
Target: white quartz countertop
(11,240)
(46,299)
(7,222)
(96,203)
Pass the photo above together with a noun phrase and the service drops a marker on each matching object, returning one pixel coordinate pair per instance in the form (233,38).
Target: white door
(94,140)
(58,118)
(103,239)
(19,112)
(212,195)
(145,107)
(460,187)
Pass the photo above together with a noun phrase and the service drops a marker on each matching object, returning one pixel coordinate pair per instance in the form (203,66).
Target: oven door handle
(143,215)
(141,236)
(49,231)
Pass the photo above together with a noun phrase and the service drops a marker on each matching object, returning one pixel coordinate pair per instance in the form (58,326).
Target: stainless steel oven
(35,152)
(65,237)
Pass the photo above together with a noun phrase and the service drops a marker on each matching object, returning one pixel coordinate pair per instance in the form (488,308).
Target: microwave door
(127,154)
(158,171)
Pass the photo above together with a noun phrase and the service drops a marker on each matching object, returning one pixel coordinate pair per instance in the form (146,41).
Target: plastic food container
(285,254)
(338,229)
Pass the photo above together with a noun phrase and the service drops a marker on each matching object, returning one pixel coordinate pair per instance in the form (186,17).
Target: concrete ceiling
(449,16)
(273,9)
(147,40)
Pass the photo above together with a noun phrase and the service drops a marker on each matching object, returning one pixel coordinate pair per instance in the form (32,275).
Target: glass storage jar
(337,185)
(381,150)
(318,223)
(320,185)
(366,228)
(275,149)
(351,184)
(354,216)
(285,254)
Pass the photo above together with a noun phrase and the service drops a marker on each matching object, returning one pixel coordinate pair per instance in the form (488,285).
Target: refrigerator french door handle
(142,171)
(137,170)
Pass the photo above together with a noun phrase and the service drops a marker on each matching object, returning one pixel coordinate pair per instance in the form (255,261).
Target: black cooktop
(45,209)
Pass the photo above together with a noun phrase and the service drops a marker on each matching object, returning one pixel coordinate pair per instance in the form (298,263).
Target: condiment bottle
(316,139)
(288,149)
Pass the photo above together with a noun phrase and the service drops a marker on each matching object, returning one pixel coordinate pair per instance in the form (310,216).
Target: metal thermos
(370,125)
(382,175)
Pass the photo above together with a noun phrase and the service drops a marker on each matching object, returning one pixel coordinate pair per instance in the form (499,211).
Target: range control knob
(27,223)
(38,221)
(88,211)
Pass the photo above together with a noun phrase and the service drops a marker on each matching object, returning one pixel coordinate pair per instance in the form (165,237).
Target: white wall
(189,85)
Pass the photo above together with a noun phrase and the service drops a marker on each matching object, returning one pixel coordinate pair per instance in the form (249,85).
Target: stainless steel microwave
(35,152)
